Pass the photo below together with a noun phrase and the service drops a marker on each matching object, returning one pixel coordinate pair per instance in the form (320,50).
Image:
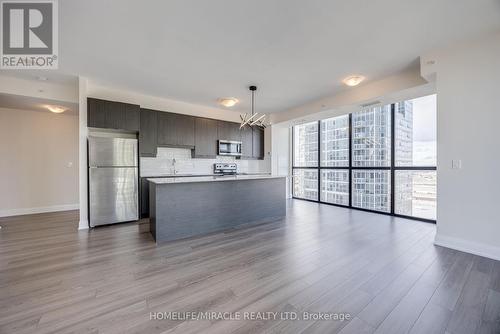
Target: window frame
(392,168)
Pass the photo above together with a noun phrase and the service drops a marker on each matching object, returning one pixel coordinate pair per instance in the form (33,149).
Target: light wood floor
(385,272)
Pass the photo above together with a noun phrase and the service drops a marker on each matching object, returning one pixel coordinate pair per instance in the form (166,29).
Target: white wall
(41,89)
(281,157)
(36,149)
(82,153)
(468,92)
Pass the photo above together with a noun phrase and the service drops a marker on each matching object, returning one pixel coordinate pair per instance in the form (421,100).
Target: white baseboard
(83,224)
(472,247)
(43,209)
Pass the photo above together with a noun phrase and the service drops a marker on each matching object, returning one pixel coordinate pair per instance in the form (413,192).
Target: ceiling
(11,101)
(295,51)
(50,76)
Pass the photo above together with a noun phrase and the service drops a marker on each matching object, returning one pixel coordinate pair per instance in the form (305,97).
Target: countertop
(196,179)
(195,175)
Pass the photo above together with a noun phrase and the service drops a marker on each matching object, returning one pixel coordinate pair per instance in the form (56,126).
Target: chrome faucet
(174,164)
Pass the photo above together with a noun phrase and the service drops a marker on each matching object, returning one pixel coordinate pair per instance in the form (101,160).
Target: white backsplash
(163,164)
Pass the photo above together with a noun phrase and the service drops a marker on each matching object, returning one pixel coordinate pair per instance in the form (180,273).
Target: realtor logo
(29,34)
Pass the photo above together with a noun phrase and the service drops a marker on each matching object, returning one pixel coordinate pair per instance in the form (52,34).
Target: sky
(424,131)
(424,118)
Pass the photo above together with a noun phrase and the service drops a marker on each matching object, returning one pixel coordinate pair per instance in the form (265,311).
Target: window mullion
(393,150)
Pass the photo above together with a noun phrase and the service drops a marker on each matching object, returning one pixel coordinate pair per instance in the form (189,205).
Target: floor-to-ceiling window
(371,159)
(415,157)
(305,161)
(380,159)
(335,160)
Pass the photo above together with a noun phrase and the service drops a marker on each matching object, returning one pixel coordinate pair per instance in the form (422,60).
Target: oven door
(227,147)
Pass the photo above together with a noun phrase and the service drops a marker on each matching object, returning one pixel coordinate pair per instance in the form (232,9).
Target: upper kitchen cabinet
(228,131)
(246,142)
(167,132)
(252,143)
(175,130)
(205,140)
(148,133)
(96,113)
(258,143)
(185,130)
(113,115)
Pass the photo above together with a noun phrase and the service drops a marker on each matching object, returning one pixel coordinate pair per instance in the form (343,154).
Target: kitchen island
(187,207)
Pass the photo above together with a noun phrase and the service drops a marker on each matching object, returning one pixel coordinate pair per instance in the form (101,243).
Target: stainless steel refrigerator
(113,180)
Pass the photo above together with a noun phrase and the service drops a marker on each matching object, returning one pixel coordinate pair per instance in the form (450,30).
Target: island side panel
(190,209)
(152,209)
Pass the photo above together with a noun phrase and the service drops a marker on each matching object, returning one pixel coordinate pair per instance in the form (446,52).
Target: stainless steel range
(225,169)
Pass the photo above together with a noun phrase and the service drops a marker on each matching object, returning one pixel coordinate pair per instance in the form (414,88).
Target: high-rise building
(369,145)
(335,153)
(404,133)
(371,158)
(371,148)
(305,181)
(403,118)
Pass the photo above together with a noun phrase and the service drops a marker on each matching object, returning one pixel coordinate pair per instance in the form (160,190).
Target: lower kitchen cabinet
(144,200)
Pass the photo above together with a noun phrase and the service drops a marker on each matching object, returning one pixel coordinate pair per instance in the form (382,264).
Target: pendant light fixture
(253,119)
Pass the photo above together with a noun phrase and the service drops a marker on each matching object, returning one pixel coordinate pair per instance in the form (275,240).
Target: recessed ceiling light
(353,80)
(40,78)
(57,109)
(228,101)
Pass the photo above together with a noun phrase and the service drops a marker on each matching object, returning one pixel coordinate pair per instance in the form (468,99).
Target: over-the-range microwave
(229,147)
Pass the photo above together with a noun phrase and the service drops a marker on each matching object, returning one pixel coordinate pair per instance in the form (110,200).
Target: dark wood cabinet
(167,132)
(148,133)
(176,130)
(96,114)
(246,142)
(252,143)
(113,115)
(185,130)
(132,118)
(258,143)
(144,197)
(228,131)
(205,138)
(157,128)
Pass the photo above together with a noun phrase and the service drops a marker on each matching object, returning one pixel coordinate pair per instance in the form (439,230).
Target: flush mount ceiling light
(56,109)
(254,119)
(228,102)
(353,80)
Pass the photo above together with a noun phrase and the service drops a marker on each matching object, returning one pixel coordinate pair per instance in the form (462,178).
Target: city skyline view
(370,148)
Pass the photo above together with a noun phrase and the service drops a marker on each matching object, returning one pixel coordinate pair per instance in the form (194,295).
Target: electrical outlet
(456,164)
